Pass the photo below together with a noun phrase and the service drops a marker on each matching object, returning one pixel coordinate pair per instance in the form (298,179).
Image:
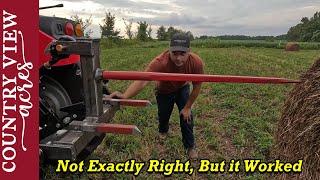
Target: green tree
(107,27)
(294,33)
(190,35)
(85,23)
(305,20)
(306,30)
(162,34)
(171,31)
(142,31)
(128,27)
(316,36)
(149,32)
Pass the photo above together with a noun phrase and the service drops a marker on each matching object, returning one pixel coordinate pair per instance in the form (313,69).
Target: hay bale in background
(292,46)
(298,130)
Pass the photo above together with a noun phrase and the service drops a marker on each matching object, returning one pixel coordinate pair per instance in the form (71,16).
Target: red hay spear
(155,76)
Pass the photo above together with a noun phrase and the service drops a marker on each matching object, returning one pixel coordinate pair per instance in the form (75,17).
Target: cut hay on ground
(298,131)
(292,46)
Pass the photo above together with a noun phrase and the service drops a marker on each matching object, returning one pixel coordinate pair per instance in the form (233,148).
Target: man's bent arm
(193,96)
(134,88)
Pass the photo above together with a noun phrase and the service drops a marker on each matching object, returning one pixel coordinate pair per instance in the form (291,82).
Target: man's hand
(186,114)
(132,90)
(117,95)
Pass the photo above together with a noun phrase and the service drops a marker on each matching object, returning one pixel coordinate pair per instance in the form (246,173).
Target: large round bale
(292,46)
(298,131)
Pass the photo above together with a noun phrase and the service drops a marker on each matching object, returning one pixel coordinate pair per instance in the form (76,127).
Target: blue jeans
(165,106)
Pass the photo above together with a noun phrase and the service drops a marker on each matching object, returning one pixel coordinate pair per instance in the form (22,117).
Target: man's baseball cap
(180,42)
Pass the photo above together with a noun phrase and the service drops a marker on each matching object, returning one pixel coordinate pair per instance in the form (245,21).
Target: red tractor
(73,113)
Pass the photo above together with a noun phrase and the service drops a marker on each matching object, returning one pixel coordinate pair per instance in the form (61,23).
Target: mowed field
(232,120)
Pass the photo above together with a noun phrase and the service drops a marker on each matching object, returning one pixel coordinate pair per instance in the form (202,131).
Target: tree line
(307,30)
(243,37)
(143,33)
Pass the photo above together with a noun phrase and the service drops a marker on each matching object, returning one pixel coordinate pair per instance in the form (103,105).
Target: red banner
(19,149)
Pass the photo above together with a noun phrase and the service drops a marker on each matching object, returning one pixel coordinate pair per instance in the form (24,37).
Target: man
(178,59)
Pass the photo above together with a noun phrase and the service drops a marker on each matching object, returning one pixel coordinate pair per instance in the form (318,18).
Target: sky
(201,17)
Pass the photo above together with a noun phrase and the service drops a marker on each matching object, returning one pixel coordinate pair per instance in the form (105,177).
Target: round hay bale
(298,131)
(292,46)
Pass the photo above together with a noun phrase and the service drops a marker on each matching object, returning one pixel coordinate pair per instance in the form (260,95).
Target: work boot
(163,136)
(192,153)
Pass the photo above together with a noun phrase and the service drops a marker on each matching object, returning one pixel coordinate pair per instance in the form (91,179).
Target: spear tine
(155,76)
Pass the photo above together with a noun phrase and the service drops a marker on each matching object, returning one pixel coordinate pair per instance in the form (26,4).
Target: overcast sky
(201,17)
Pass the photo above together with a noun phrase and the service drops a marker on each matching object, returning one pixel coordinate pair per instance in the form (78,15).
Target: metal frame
(68,143)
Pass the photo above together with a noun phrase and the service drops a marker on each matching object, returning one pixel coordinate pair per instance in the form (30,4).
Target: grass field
(232,121)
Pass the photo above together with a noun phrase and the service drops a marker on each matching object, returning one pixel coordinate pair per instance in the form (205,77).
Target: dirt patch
(225,147)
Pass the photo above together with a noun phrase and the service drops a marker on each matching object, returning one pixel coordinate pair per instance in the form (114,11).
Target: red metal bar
(127,102)
(155,76)
(117,128)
